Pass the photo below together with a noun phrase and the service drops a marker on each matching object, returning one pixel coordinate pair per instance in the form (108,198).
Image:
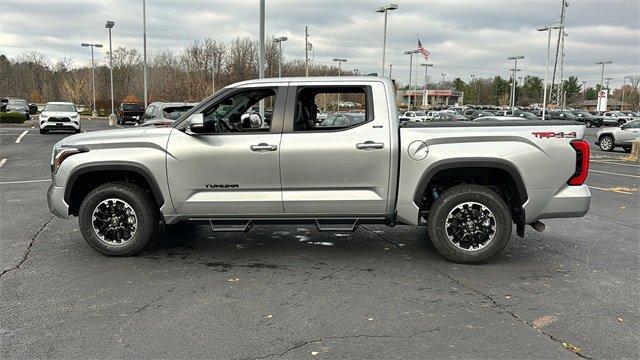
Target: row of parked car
(20,106)
(470,114)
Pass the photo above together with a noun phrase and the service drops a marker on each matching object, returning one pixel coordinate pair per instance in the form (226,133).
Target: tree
(572,89)
(459,85)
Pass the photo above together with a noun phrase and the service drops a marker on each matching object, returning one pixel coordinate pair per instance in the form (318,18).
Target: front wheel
(588,123)
(621,122)
(606,143)
(118,219)
(469,224)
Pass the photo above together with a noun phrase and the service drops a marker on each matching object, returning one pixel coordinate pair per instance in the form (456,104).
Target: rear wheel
(606,143)
(118,219)
(588,123)
(469,224)
(621,122)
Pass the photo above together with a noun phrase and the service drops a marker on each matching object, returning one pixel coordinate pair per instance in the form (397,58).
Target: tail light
(582,162)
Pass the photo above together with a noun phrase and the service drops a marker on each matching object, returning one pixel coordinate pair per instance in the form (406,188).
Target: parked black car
(3,104)
(538,113)
(33,109)
(18,106)
(130,112)
(587,118)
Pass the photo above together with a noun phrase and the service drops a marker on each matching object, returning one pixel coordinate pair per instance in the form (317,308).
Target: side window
(148,114)
(240,112)
(346,106)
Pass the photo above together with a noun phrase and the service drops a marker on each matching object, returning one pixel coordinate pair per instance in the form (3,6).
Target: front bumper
(56,203)
(568,202)
(67,125)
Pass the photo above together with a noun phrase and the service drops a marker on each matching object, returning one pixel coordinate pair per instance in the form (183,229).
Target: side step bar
(321,224)
(230,226)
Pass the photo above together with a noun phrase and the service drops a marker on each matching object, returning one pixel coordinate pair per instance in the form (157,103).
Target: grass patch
(12,118)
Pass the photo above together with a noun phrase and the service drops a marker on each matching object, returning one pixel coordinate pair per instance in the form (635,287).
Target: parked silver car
(610,137)
(164,113)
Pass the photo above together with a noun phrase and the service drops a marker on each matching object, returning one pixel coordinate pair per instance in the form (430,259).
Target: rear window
(174,112)
(60,107)
(131,107)
(17,102)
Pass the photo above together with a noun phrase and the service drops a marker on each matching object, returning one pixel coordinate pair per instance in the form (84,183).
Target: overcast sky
(464,36)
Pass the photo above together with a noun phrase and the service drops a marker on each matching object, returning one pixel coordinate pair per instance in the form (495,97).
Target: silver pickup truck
(468,182)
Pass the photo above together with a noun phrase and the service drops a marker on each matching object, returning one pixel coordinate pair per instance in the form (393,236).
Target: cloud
(464,36)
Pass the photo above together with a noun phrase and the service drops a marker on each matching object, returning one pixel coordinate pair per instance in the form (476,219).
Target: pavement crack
(397,246)
(143,307)
(493,301)
(27,252)
(305,343)
(330,275)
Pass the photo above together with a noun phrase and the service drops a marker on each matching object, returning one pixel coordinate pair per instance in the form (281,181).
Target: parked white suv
(59,116)
(615,118)
(624,135)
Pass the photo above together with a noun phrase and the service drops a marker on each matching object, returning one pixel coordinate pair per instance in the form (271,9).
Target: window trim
(292,101)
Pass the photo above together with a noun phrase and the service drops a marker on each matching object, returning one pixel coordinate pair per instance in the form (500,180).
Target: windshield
(420,113)
(569,115)
(60,107)
(174,112)
(131,107)
(17,102)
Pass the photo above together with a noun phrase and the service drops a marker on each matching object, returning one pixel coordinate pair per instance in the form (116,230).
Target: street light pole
(390,67)
(340,61)
(426,81)
(279,42)
(513,82)
(624,83)
(473,76)
(94,113)
(443,76)
(109,25)
(546,72)
(385,9)
(607,80)
(410,53)
(602,72)
(144,50)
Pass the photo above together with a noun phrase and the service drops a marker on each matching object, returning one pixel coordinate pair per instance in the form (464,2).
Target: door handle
(263,147)
(369,145)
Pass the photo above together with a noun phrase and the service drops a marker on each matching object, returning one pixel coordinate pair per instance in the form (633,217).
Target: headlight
(61,154)
(44,117)
(75,116)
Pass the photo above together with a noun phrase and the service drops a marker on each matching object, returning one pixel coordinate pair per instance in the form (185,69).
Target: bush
(12,118)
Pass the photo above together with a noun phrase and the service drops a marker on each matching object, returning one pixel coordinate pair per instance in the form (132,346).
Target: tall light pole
(624,83)
(109,25)
(602,72)
(584,88)
(144,51)
(410,53)
(426,81)
(261,57)
(279,41)
(94,113)
(385,9)
(513,82)
(340,61)
(214,55)
(546,72)
(473,76)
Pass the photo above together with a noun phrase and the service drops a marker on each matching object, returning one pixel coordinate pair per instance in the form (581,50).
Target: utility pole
(556,91)
(410,53)
(624,83)
(602,72)
(144,50)
(513,77)
(390,67)
(607,80)
(112,117)
(546,72)
(306,51)
(94,113)
(473,76)
(385,9)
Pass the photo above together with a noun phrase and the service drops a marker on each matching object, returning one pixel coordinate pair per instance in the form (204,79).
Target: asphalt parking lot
(292,292)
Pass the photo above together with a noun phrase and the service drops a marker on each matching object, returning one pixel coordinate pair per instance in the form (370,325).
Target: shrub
(12,118)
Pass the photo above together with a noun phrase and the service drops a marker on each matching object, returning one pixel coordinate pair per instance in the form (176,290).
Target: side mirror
(195,123)
(255,120)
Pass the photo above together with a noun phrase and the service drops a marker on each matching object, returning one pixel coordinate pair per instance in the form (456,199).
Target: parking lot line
(2,162)
(23,181)
(21,136)
(614,163)
(612,173)
(612,190)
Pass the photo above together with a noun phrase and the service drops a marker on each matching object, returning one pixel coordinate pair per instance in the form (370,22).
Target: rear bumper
(568,202)
(56,203)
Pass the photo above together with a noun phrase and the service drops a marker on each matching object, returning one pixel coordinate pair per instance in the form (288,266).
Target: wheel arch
(101,173)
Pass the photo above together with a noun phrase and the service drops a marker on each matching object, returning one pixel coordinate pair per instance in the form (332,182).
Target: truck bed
(432,124)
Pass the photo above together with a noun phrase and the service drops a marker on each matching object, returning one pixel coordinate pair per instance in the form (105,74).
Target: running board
(230,226)
(350,226)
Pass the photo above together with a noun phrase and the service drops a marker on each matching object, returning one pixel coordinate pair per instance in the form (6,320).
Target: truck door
(231,165)
(342,169)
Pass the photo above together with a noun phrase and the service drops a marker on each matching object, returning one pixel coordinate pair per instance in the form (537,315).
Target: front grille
(59,119)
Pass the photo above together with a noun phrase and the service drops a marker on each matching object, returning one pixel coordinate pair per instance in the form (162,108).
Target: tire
(477,199)
(43,131)
(588,123)
(621,122)
(78,130)
(120,196)
(606,143)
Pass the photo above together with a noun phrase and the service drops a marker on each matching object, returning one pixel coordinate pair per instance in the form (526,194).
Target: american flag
(424,51)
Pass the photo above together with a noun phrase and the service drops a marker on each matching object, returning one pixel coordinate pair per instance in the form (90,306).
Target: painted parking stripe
(2,162)
(611,189)
(612,173)
(21,136)
(24,182)
(613,163)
